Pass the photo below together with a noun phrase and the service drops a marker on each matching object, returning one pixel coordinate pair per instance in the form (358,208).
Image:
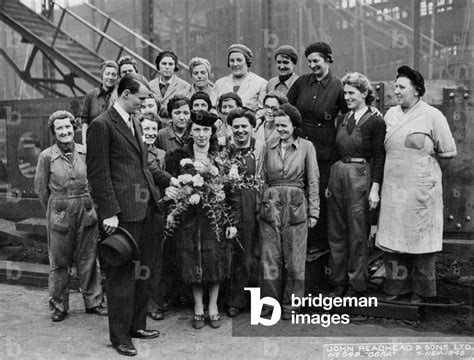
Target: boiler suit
(291,195)
(71,220)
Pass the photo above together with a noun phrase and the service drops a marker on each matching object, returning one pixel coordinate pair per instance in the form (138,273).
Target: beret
(293,113)
(415,77)
(289,51)
(241,48)
(203,118)
(203,96)
(319,47)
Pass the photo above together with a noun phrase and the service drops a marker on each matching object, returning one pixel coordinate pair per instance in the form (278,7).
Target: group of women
(326,157)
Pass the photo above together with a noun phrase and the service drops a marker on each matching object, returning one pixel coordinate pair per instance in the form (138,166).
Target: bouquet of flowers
(205,185)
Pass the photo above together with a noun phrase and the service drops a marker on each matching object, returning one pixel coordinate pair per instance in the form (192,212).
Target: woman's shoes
(157,315)
(58,315)
(215,321)
(233,311)
(198,321)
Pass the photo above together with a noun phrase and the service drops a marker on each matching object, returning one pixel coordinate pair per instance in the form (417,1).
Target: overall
(348,209)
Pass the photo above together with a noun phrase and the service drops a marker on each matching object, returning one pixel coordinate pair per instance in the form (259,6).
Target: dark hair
(176,102)
(167,53)
(281,98)
(130,82)
(127,59)
(213,141)
(295,119)
(226,96)
(241,112)
(203,96)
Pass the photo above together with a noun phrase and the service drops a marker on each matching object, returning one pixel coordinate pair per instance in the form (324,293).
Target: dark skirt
(201,257)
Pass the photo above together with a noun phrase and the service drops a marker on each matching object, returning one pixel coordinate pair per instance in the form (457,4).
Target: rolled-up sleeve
(445,145)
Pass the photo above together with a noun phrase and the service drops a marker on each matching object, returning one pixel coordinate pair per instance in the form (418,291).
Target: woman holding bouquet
(203,247)
(289,206)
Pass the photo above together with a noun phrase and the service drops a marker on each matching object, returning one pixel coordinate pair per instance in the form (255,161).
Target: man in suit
(124,188)
(167,84)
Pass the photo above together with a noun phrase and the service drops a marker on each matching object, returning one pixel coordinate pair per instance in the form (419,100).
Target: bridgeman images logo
(319,301)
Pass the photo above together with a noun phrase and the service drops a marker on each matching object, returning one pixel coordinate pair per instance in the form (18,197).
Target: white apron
(411,214)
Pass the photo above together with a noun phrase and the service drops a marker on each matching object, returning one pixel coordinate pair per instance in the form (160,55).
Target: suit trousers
(128,285)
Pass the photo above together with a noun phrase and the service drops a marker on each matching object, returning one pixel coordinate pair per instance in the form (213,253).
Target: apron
(411,214)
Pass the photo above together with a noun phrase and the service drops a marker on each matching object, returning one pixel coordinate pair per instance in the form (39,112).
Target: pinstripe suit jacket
(117,169)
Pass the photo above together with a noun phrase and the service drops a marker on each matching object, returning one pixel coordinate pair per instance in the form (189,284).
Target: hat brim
(111,255)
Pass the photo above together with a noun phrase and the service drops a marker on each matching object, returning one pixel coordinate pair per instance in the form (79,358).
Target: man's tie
(163,88)
(351,123)
(130,125)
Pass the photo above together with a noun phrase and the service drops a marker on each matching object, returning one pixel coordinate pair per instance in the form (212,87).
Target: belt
(70,193)
(348,159)
(285,183)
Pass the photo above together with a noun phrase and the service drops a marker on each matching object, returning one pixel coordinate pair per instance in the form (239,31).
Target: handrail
(136,35)
(109,38)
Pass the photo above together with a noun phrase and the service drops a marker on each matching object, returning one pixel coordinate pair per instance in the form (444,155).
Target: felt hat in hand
(119,248)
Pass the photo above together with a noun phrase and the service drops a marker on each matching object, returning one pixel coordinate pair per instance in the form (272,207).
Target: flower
(185,162)
(234,172)
(199,166)
(194,199)
(198,180)
(220,196)
(230,232)
(185,178)
(214,170)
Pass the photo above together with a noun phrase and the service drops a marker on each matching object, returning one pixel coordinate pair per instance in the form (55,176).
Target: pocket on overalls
(297,207)
(59,217)
(267,211)
(90,215)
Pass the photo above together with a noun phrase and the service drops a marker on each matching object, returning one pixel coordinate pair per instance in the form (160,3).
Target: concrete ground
(26,332)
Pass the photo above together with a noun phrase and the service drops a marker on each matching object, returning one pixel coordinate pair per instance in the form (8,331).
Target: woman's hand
(230,232)
(374,198)
(171,192)
(312,222)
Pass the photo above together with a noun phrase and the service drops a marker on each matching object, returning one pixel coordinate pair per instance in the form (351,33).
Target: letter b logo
(256,305)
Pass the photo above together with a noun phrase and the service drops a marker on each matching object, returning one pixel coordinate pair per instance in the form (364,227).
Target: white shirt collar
(359,113)
(123,114)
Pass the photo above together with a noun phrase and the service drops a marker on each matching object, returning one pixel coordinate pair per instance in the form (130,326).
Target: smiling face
(200,76)
(242,131)
(237,64)
(149,106)
(317,64)
(166,67)
(180,117)
(284,127)
(201,134)
(284,65)
(200,104)
(63,130)
(150,130)
(354,98)
(406,93)
(270,106)
(109,78)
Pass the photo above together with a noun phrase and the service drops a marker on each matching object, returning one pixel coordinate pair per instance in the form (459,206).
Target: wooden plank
(32,225)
